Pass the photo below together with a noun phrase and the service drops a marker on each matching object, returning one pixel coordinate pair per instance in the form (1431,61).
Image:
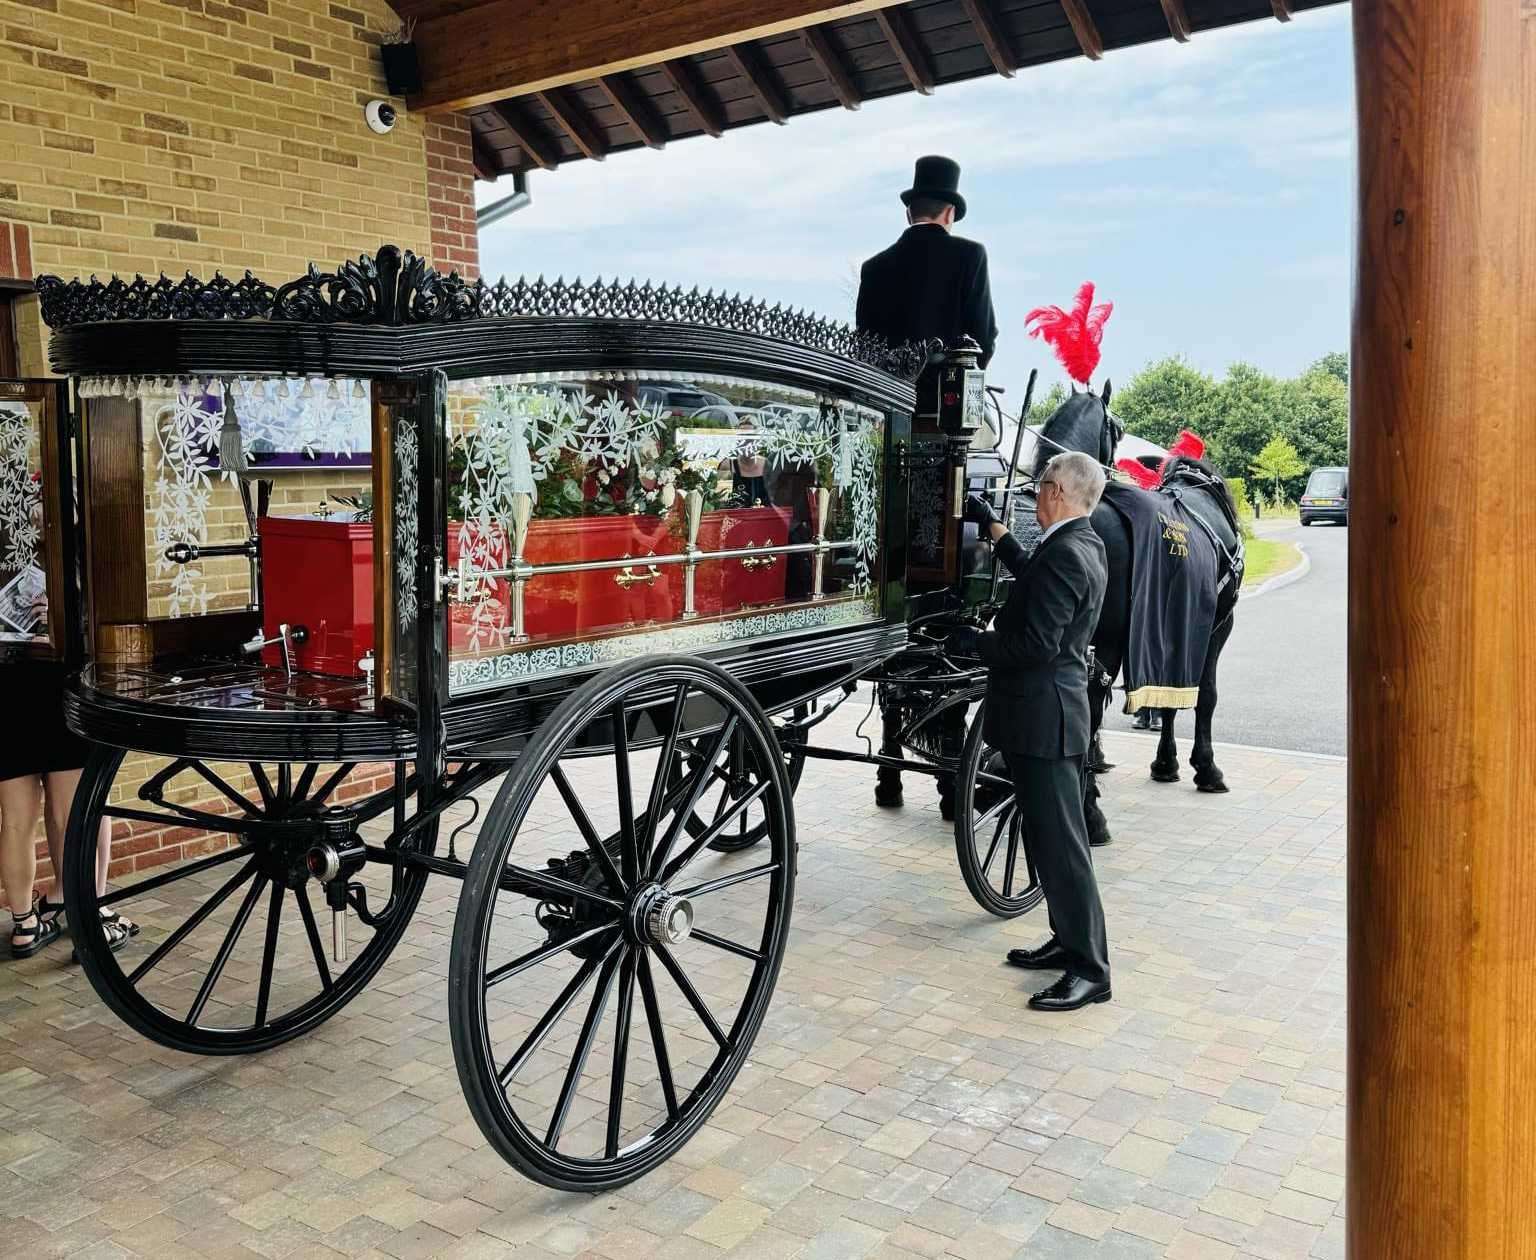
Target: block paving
(901,1101)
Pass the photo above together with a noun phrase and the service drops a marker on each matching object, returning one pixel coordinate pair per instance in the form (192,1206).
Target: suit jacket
(1037,654)
(928,284)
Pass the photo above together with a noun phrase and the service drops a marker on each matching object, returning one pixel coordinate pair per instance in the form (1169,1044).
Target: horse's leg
(1101,690)
(1165,766)
(1202,757)
(951,746)
(888,779)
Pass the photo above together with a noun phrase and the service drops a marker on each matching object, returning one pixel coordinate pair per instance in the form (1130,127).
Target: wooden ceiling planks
(870,54)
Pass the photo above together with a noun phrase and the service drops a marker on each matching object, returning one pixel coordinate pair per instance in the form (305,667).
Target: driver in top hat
(930,283)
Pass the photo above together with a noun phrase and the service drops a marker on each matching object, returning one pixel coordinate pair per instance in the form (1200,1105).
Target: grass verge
(1266,559)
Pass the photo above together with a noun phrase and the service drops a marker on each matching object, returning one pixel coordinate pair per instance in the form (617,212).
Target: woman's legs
(20,801)
(61,786)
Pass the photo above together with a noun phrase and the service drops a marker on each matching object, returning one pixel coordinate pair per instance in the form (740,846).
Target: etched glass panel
(23,554)
(587,515)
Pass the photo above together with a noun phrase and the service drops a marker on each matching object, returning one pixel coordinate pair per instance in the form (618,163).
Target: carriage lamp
(962,389)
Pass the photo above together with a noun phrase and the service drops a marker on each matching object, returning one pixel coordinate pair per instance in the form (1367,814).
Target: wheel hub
(658,917)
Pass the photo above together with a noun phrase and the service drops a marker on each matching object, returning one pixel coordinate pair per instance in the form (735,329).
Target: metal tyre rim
(269,979)
(989,842)
(594,1107)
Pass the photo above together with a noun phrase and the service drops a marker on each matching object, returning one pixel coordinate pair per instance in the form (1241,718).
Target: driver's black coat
(1037,654)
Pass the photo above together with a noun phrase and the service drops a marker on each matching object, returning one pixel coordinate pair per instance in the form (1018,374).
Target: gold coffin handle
(627,577)
(751,563)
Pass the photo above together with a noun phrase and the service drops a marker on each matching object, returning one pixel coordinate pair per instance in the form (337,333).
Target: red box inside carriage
(318,573)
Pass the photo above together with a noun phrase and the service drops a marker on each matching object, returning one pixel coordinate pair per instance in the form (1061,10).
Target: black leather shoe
(1069,993)
(1047,957)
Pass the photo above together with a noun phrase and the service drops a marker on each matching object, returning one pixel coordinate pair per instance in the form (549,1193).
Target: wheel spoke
(269,953)
(561,888)
(583,1049)
(695,791)
(994,811)
(284,782)
(535,956)
(588,831)
(629,842)
(226,948)
(562,1003)
(181,818)
(170,877)
(1013,859)
(727,881)
(720,942)
(332,783)
(220,785)
(1005,823)
(263,784)
(301,895)
(620,1056)
(306,778)
(684,984)
(658,1033)
(663,772)
(191,925)
(715,830)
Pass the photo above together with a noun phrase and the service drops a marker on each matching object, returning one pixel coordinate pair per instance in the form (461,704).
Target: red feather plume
(1074,335)
(1188,444)
(1138,472)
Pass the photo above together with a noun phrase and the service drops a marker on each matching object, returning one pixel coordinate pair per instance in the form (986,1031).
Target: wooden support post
(818,42)
(992,36)
(914,61)
(1282,9)
(1442,721)
(1085,28)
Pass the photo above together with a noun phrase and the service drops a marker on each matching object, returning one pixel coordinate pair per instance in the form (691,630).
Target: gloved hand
(964,641)
(978,511)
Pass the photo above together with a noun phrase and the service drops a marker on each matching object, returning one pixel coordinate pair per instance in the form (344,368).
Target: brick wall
(451,195)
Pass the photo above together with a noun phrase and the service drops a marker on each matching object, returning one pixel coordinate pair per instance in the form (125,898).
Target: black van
(1326,497)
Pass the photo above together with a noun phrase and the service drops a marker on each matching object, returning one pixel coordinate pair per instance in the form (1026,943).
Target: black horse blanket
(1173,598)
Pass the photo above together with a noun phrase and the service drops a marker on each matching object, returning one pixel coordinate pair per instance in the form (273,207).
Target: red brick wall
(15,247)
(451,195)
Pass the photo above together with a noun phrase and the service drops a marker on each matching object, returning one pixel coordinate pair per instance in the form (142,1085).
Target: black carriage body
(414,337)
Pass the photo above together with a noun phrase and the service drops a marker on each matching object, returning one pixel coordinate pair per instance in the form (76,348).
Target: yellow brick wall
(149,135)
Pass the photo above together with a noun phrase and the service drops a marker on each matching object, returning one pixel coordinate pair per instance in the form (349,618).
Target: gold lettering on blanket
(1176,535)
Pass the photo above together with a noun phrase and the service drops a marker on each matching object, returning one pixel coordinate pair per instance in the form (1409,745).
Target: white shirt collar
(1066,520)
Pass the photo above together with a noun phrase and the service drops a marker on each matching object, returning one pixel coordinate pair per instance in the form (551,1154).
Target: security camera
(381,116)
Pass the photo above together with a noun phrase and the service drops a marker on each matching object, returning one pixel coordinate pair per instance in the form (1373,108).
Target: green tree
(1043,408)
(1165,397)
(1276,464)
(1335,364)
(1249,413)
(1315,419)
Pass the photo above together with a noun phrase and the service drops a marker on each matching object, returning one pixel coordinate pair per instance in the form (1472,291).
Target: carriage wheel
(989,840)
(738,779)
(229,958)
(568,1080)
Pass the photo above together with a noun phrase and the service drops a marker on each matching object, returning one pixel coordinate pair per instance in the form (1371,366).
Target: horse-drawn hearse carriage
(630,618)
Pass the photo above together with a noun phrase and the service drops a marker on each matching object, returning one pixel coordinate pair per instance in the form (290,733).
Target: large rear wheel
(610,971)
(229,956)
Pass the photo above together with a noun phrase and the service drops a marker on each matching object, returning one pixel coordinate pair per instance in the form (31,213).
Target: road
(1282,680)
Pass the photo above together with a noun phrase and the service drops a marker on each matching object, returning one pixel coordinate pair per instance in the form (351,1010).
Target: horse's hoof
(888,800)
(1162,775)
(1213,786)
(947,811)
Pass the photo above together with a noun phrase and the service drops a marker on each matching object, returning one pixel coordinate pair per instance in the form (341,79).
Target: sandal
(43,935)
(117,930)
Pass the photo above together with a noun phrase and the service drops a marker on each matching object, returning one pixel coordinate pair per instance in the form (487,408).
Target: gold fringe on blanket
(1161,698)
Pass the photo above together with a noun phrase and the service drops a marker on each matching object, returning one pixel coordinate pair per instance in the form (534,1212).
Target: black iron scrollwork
(400,288)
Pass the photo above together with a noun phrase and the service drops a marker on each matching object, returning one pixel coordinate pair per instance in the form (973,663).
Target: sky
(1205,188)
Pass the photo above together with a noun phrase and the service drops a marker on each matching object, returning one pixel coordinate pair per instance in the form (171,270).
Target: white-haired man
(1037,716)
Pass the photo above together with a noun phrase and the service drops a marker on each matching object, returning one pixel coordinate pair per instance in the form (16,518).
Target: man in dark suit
(930,283)
(1037,716)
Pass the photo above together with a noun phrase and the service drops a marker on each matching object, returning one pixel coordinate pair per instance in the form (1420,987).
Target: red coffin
(318,574)
(724,586)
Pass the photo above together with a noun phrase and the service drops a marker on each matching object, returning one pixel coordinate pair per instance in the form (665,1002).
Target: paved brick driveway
(901,1101)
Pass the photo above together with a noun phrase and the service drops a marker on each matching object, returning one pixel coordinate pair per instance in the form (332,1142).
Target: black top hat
(937,178)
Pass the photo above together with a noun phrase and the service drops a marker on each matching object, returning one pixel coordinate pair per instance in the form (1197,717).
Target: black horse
(1085,423)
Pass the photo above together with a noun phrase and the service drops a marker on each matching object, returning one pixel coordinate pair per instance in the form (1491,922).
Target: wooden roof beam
(903,41)
(487,167)
(1086,30)
(473,52)
(833,69)
(1282,10)
(760,80)
(636,110)
(536,147)
(695,96)
(1178,20)
(567,111)
(984,21)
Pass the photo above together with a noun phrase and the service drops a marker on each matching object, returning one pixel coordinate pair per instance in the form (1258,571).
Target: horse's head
(1082,423)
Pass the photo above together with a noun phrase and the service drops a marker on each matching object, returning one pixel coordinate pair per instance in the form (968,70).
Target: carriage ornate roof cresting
(557,572)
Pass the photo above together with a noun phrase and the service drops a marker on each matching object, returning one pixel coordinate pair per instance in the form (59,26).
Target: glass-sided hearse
(332,556)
